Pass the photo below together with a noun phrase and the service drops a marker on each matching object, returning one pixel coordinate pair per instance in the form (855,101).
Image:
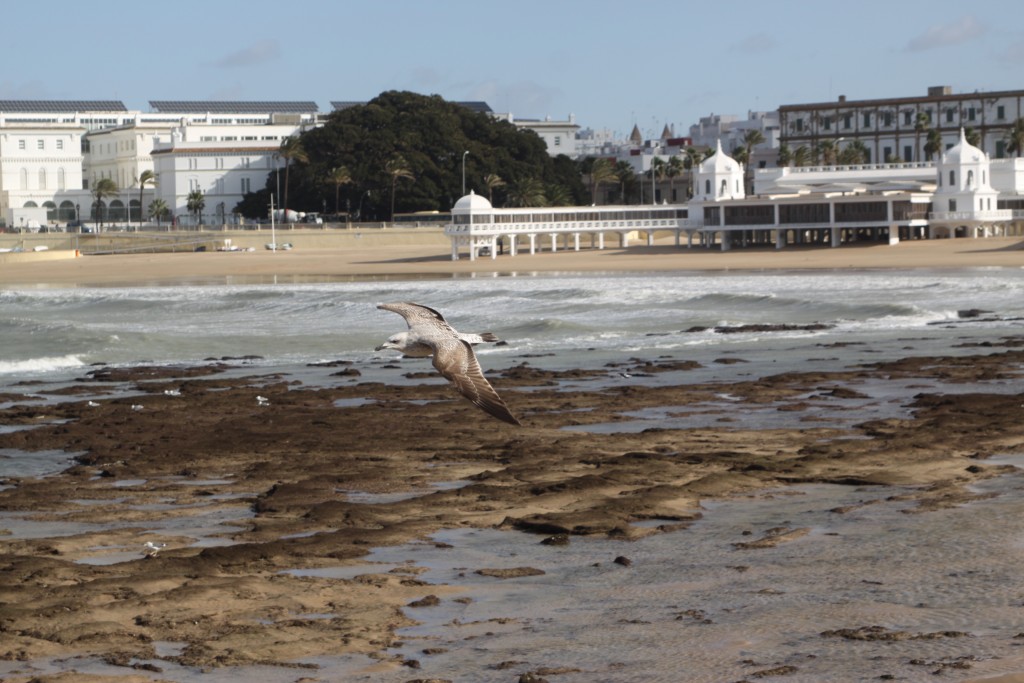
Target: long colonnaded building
(962,194)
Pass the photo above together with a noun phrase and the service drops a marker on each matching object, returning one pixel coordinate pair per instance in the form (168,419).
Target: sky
(612,64)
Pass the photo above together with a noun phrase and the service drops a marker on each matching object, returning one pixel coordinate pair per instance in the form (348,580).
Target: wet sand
(432,259)
(237,492)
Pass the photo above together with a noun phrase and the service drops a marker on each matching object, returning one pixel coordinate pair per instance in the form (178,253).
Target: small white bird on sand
(430,335)
(150,549)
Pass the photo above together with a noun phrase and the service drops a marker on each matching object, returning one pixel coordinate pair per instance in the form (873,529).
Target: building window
(1000,149)
(558,141)
(21,144)
(952,178)
(867,119)
(246,187)
(60,179)
(42,179)
(799,125)
(949,115)
(60,144)
(908,119)
(887,117)
(826,123)
(40,144)
(847,121)
(952,205)
(971,113)
(1000,112)
(908,153)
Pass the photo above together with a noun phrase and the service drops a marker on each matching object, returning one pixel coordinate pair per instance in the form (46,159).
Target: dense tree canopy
(430,135)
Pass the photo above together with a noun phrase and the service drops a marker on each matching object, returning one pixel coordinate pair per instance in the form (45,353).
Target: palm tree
(397,167)
(673,170)
(291,149)
(751,139)
(921,124)
(854,153)
(601,171)
(693,158)
(658,168)
(972,136)
(157,209)
(557,195)
(624,172)
(1015,138)
(801,156)
(527,192)
(147,177)
(785,156)
(102,188)
(195,203)
(932,144)
(492,180)
(828,151)
(339,176)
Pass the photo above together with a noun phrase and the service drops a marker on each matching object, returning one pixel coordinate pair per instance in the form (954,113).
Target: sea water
(548,320)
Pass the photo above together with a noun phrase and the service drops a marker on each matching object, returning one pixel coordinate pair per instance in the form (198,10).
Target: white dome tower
(719,177)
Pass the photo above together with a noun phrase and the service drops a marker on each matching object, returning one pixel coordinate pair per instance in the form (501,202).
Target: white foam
(40,365)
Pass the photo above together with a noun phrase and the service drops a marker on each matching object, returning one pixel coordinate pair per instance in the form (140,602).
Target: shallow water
(693,606)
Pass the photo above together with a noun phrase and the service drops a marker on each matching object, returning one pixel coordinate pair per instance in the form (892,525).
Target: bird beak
(383,346)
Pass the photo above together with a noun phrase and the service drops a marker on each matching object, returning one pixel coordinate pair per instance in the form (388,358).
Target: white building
(41,157)
(802,206)
(224,162)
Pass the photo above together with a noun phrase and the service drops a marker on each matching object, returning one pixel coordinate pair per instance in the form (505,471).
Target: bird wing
(455,360)
(416,313)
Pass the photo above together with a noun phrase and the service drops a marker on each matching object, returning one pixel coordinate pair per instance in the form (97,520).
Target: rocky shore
(193,492)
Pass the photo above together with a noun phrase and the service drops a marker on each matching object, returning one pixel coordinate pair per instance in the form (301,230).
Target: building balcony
(974,216)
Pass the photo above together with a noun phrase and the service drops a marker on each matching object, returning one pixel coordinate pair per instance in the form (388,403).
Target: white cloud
(257,53)
(963,30)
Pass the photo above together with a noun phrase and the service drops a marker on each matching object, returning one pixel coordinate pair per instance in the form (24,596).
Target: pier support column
(533,244)
(836,236)
(554,243)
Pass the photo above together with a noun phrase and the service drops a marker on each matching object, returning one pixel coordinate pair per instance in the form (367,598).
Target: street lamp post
(464,172)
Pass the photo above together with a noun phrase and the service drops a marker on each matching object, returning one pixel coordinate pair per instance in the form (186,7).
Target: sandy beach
(312,485)
(433,259)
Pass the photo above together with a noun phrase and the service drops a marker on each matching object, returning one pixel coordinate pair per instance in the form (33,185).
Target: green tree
(291,150)
(528,191)
(195,203)
(854,153)
(972,136)
(601,171)
(431,134)
(147,177)
(921,124)
(627,179)
(101,189)
(1015,138)
(673,170)
(932,144)
(785,156)
(340,175)
(397,168)
(492,181)
(801,156)
(158,209)
(557,195)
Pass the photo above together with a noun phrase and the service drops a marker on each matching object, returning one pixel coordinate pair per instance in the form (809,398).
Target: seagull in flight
(430,335)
